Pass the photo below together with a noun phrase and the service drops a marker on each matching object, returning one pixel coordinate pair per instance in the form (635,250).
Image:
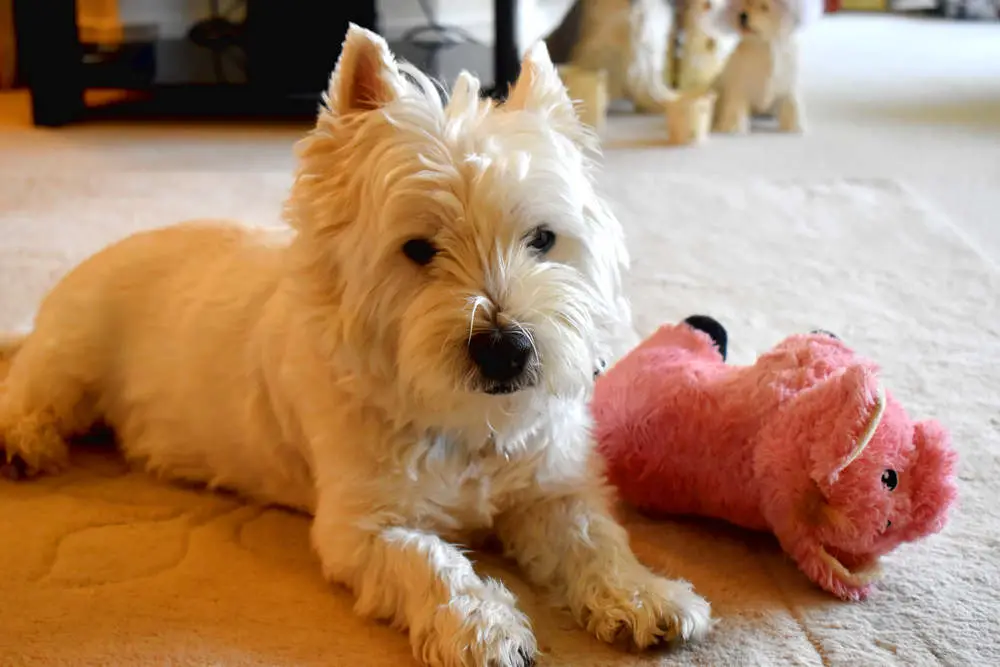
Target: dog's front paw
(731,126)
(477,630)
(645,611)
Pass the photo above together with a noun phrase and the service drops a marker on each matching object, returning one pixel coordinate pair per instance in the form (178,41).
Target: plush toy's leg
(790,116)
(713,328)
(732,115)
(830,575)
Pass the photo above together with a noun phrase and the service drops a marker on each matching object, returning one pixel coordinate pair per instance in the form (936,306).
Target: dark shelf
(262,73)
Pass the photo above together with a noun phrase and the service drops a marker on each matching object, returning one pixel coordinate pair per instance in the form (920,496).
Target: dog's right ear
(366,76)
(539,89)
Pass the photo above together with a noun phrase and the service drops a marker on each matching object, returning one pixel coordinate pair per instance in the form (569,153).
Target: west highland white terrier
(410,362)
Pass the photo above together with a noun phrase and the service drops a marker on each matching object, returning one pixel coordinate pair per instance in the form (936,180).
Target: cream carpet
(106,567)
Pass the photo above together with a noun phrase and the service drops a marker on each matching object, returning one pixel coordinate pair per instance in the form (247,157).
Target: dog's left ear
(366,76)
(540,90)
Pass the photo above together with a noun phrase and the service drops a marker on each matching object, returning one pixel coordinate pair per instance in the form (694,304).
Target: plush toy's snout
(934,489)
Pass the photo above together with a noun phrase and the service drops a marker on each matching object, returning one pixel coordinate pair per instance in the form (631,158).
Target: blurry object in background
(237,59)
(629,39)
(120,57)
(975,10)
(563,38)
(589,90)
(292,46)
(99,21)
(537,19)
(699,51)
(760,77)
(443,50)
(243,58)
(922,6)
(689,117)
(864,5)
(8,47)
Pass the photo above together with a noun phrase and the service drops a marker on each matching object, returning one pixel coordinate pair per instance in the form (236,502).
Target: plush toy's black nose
(713,328)
(501,354)
(744,20)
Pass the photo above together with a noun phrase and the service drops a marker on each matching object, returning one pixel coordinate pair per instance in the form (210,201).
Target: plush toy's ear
(839,417)
(366,76)
(713,328)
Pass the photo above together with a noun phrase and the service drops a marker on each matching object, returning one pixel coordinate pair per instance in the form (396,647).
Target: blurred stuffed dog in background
(761,73)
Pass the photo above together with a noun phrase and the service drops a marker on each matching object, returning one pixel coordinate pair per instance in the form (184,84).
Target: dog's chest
(453,491)
(765,71)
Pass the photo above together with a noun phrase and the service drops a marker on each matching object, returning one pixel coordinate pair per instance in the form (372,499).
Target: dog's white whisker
(531,339)
(477,301)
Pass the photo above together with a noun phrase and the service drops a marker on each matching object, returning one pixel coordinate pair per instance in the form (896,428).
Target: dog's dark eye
(541,240)
(890,479)
(419,251)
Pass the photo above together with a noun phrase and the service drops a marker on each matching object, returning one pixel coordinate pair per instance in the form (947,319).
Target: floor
(736,228)
(912,99)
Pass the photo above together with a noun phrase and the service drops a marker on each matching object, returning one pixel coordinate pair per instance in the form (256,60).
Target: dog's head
(769,20)
(456,250)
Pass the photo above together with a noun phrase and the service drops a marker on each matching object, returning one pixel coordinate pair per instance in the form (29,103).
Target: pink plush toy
(804,443)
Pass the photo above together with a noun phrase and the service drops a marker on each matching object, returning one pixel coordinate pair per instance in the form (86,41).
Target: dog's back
(9,345)
(154,336)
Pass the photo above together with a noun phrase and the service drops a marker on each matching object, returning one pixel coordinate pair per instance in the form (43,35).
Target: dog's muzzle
(503,357)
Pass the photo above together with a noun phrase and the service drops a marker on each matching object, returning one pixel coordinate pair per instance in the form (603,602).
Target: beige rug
(105,567)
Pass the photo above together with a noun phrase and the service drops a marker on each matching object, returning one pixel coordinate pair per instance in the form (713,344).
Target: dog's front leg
(418,581)
(573,546)
(790,115)
(732,114)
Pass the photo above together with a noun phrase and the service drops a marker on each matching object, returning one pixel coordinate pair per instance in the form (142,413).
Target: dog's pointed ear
(539,89)
(366,76)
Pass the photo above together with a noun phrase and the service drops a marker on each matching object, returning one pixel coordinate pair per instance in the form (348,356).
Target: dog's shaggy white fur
(761,74)
(332,367)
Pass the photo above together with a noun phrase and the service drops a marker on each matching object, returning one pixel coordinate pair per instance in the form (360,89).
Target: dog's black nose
(501,354)
(744,20)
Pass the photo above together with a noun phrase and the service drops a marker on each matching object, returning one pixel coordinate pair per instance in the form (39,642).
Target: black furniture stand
(275,64)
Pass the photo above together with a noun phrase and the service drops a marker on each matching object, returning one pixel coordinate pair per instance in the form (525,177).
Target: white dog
(761,73)
(410,363)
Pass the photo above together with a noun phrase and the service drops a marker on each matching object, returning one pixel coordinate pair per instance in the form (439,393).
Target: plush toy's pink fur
(784,445)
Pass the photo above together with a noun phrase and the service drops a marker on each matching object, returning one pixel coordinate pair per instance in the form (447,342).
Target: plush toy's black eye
(419,251)
(890,479)
(542,239)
